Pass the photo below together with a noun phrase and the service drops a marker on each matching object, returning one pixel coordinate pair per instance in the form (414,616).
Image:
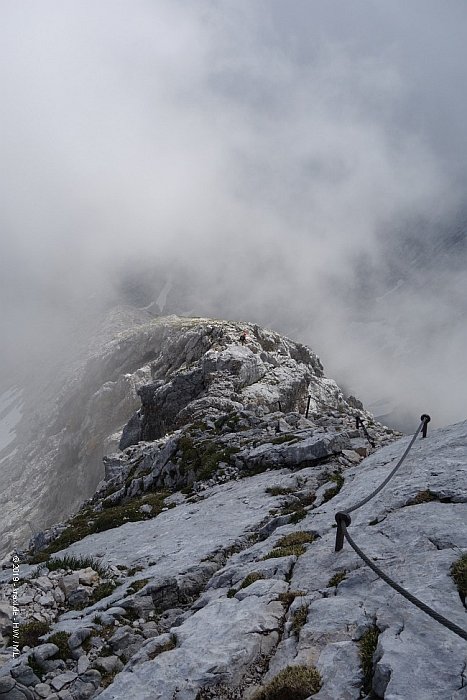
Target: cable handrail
(343,521)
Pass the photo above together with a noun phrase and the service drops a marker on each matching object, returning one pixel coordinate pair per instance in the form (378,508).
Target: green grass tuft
(76,563)
(294,543)
(338,577)
(278,491)
(251,578)
(299,618)
(300,537)
(293,683)
(368,643)
(338,479)
(137,585)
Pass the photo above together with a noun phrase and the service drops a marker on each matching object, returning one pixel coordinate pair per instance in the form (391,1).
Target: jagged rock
(88,576)
(44,583)
(78,598)
(354,402)
(83,664)
(6,684)
(352,456)
(43,690)
(132,433)
(301,454)
(78,636)
(11,690)
(150,649)
(25,675)
(108,664)
(125,642)
(238,601)
(69,583)
(250,625)
(46,600)
(142,605)
(44,652)
(5,617)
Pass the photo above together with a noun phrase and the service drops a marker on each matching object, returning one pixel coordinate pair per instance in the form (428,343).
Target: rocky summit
(203,565)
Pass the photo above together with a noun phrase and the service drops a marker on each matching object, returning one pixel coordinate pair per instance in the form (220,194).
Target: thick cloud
(300,165)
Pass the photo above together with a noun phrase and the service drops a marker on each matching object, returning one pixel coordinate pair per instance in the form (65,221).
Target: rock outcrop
(204,567)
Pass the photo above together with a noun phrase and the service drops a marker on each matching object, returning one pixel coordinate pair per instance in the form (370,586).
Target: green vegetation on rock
(278,490)
(202,457)
(423,497)
(76,563)
(87,522)
(299,618)
(338,577)
(368,643)
(30,633)
(294,543)
(297,682)
(60,639)
(459,574)
(338,479)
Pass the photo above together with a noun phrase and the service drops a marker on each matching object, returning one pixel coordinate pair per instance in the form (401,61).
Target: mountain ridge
(203,564)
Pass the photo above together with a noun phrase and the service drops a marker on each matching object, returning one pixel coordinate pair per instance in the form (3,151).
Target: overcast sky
(304,162)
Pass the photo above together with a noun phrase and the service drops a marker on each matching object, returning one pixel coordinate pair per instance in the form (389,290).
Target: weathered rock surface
(204,563)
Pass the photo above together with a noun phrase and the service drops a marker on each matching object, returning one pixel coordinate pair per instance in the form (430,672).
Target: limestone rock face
(185,366)
(203,565)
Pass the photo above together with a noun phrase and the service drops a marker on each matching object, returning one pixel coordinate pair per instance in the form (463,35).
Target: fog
(301,165)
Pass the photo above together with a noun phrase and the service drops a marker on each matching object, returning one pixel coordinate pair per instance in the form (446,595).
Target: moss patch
(30,632)
(338,577)
(295,510)
(278,491)
(251,578)
(459,574)
(300,537)
(102,591)
(87,522)
(293,544)
(297,682)
(60,639)
(338,479)
(202,457)
(423,497)
(284,438)
(137,585)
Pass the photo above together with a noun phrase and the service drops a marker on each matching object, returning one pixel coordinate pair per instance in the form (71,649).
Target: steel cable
(418,603)
(343,520)
(388,478)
